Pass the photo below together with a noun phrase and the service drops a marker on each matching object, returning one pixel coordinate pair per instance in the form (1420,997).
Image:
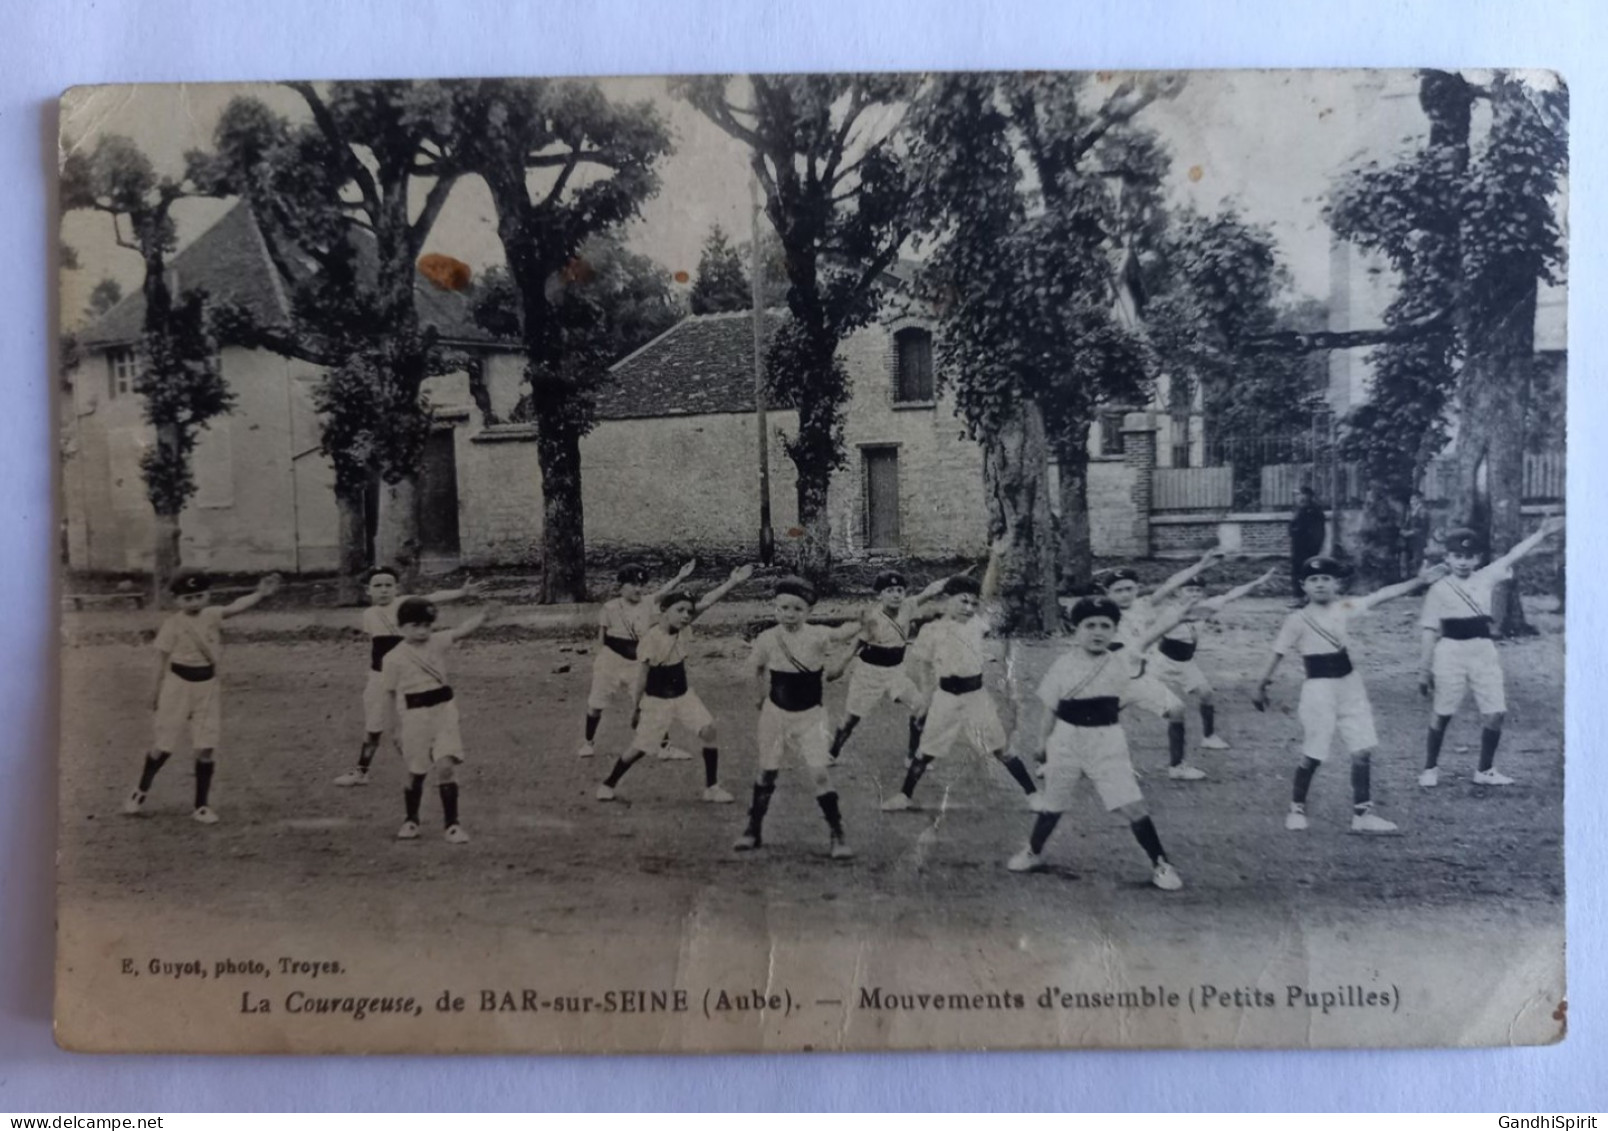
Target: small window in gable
(119,373)
(912,366)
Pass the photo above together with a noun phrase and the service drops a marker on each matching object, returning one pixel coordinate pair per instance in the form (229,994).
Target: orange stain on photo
(1196,172)
(445,272)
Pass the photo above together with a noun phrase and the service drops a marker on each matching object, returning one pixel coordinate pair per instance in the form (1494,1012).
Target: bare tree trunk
(352,535)
(558,447)
(396,541)
(1022,549)
(815,548)
(165,558)
(1076,540)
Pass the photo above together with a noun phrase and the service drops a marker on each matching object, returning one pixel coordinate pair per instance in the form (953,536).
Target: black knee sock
(203,782)
(711,757)
(1303,780)
(828,802)
(1432,742)
(621,765)
(412,795)
(1489,738)
(1144,831)
(1175,744)
(913,774)
(153,763)
(592,719)
(763,788)
(1043,826)
(915,735)
(449,803)
(1023,776)
(1208,719)
(1361,785)
(843,732)
(365,756)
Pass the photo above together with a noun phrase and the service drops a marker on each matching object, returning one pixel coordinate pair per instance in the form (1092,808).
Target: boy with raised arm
(661,696)
(1122,586)
(1458,652)
(1333,698)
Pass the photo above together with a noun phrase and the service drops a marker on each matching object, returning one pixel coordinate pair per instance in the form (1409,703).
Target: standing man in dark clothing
(1307,528)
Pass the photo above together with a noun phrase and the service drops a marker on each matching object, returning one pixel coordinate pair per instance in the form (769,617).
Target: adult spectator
(1307,528)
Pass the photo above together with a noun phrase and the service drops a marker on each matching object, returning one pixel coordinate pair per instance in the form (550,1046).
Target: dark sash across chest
(1095,711)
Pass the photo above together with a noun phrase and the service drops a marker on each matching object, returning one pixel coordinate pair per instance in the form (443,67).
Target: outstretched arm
(447,596)
(1209,559)
(669,586)
(267,587)
(1216,603)
(739,575)
(848,630)
(1163,625)
(482,617)
(1552,525)
(1429,576)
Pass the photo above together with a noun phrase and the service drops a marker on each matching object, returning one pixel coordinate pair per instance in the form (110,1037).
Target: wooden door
(438,496)
(882,498)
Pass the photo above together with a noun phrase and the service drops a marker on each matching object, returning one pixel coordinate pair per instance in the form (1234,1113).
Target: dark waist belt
(621,645)
(1465,628)
(1328,665)
(1100,711)
(795,691)
(1115,646)
(667,681)
(434,697)
(193,673)
(882,655)
(378,647)
(961,684)
(1181,650)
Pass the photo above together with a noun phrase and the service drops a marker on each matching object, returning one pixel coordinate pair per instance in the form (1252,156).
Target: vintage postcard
(813,562)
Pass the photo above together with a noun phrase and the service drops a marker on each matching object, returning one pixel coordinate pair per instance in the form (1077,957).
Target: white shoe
(408,831)
(204,816)
(1295,820)
(1025,861)
(604,793)
(1039,770)
(134,803)
(1185,773)
(898,803)
(717,796)
(1212,742)
(352,777)
(587,750)
(673,754)
(1430,778)
(1371,822)
(748,842)
(841,851)
(1491,777)
(1166,877)
(456,835)
(1036,803)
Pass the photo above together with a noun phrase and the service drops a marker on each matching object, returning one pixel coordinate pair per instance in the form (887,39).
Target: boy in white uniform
(879,658)
(379,621)
(622,622)
(415,674)
(661,696)
(1083,695)
(1458,652)
(789,660)
(1332,697)
(1122,586)
(948,661)
(186,694)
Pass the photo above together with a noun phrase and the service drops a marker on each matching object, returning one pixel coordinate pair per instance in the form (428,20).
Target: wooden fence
(1192,488)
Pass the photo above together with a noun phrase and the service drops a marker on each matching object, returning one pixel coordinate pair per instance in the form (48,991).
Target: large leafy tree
(1471,229)
(563,163)
(828,153)
(345,202)
(1026,268)
(177,374)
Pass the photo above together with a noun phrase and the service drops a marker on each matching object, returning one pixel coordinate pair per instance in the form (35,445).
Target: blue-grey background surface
(46,47)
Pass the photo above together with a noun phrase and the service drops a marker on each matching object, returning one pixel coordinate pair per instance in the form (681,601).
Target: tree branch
(1314,341)
(434,200)
(1123,104)
(332,133)
(563,179)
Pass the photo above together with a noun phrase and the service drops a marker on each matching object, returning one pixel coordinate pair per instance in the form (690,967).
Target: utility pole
(756,283)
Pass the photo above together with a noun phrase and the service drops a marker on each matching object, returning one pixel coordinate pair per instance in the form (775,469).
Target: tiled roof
(230,262)
(702,364)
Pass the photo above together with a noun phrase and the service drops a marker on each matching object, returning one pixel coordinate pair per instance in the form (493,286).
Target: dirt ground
(549,858)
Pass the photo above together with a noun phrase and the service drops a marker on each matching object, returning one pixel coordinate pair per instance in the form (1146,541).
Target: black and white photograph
(813,562)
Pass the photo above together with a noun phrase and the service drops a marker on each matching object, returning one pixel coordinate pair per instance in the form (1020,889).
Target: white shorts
(951,718)
(612,675)
(430,735)
(1330,705)
(196,707)
(1462,664)
(870,684)
(1184,678)
(806,733)
(379,707)
(659,715)
(1097,753)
